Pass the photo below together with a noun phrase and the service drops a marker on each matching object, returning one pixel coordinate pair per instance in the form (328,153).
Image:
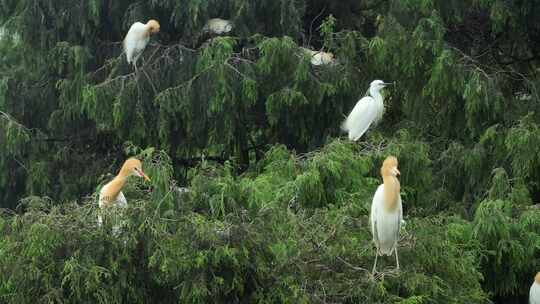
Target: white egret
(387,212)
(534,293)
(319,57)
(218,26)
(368,110)
(137,38)
(111,194)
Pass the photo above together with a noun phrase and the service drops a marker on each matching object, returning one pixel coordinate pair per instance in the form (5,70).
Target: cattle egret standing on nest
(111,194)
(218,26)
(534,293)
(319,57)
(368,110)
(137,38)
(386,211)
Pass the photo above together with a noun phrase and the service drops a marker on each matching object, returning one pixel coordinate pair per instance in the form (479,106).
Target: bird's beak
(140,173)
(389,83)
(145,176)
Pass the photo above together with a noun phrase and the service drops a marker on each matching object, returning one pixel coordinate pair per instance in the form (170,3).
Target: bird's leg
(115,230)
(139,56)
(135,64)
(397,259)
(375,264)
(142,59)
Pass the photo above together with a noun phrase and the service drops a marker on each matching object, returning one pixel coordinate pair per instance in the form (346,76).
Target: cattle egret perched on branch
(386,211)
(137,38)
(218,26)
(111,194)
(534,293)
(319,57)
(368,110)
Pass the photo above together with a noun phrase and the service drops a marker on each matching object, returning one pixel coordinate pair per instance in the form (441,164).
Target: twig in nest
(352,266)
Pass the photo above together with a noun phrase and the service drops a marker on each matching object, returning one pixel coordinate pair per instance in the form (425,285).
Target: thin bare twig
(311,25)
(352,266)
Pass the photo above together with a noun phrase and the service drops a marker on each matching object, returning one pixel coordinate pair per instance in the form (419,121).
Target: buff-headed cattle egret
(367,111)
(319,57)
(111,194)
(218,26)
(387,212)
(137,38)
(534,293)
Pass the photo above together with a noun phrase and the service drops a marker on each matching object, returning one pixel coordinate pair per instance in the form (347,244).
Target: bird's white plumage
(136,40)
(322,58)
(385,225)
(319,57)
(534,293)
(366,112)
(218,26)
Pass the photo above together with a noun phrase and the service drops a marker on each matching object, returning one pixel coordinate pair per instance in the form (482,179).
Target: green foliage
(226,241)
(510,243)
(523,143)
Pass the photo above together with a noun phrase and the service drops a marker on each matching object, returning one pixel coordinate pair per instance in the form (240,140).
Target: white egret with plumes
(367,111)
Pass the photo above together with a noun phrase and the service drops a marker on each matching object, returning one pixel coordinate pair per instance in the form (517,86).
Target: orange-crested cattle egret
(137,38)
(387,212)
(534,293)
(111,194)
(218,26)
(367,111)
(319,57)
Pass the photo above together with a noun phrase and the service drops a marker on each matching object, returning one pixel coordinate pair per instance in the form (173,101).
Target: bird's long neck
(376,94)
(114,187)
(537,278)
(390,192)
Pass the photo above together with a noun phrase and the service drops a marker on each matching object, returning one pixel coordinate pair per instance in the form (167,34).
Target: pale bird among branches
(367,111)
(218,26)
(319,57)
(137,38)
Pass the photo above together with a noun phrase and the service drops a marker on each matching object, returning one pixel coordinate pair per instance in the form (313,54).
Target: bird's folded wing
(362,116)
(534,294)
(373,222)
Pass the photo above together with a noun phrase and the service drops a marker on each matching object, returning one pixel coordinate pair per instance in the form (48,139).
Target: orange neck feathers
(114,187)
(391,183)
(537,278)
(391,192)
